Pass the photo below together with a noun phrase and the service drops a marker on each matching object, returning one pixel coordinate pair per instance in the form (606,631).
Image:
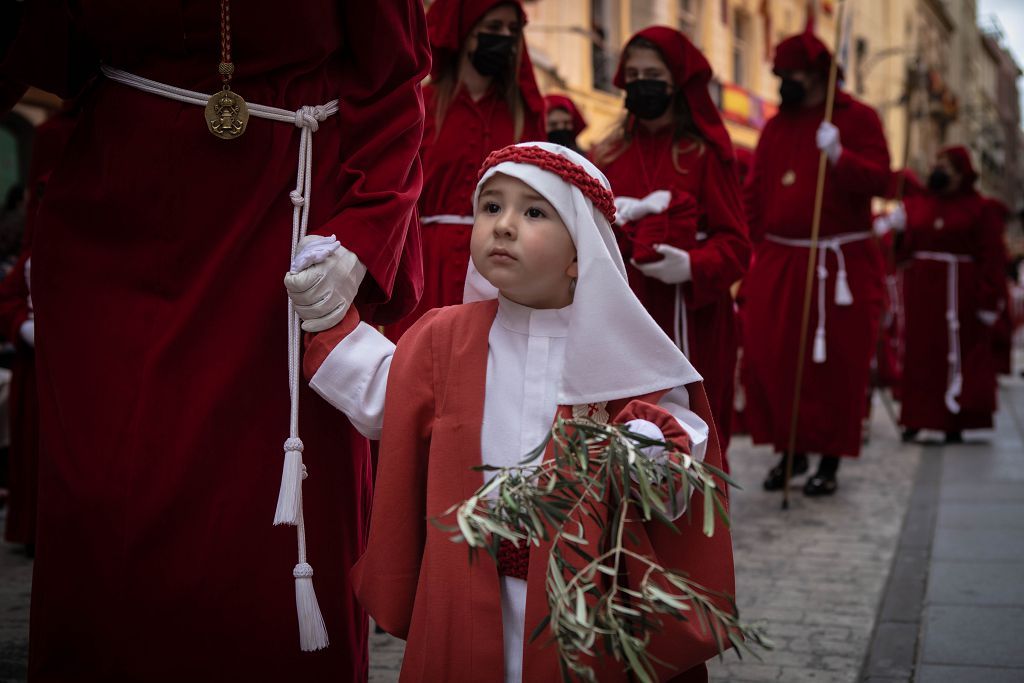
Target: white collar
(535,322)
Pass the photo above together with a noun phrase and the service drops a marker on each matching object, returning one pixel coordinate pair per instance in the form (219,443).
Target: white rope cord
(312,634)
(954,376)
(842,295)
(679,327)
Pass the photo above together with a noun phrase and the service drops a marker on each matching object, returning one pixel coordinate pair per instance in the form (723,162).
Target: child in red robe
(550,328)
(672,170)
(482,96)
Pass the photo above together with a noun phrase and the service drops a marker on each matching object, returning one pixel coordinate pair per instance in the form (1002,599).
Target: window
(604,23)
(689,19)
(741,35)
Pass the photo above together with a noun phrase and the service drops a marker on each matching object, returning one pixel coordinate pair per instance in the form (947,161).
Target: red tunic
(418,585)
(960,225)
(718,258)
(781,203)
(158,247)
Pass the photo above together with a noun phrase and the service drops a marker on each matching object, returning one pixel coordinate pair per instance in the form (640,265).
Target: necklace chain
(226,67)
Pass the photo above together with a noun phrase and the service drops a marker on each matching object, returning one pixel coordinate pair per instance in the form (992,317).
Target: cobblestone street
(849,587)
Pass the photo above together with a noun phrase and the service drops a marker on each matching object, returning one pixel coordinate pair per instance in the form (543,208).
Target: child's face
(521,246)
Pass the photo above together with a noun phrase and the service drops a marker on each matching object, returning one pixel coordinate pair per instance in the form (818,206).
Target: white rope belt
(312,633)
(448,218)
(843,296)
(954,378)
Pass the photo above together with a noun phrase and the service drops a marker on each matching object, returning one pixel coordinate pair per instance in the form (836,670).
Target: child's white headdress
(614,349)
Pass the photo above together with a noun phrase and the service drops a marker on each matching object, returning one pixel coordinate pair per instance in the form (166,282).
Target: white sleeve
(354,376)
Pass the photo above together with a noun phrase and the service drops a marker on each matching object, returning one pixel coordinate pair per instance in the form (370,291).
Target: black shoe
(820,485)
(909,435)
(955,436)
(777,475)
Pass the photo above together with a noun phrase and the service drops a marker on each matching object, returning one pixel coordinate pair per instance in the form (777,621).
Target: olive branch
(600,472)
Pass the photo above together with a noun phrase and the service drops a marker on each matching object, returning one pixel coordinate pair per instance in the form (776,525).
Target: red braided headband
(567,170)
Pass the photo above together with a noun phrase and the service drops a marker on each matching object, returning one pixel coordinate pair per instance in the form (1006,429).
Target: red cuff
(320,344)
(670,428)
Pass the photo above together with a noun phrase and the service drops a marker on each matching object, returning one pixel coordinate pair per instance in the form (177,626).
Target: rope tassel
(288,496)
(843,296)
(312,632)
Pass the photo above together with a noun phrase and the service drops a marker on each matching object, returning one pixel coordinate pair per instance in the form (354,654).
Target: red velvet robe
(718,261)
(958,224)
(158,248)
(420,586)
(452,156)
(781,202)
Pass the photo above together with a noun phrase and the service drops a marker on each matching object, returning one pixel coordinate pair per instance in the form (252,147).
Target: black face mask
(647,99)
(563,137)
(938,180)
(792,92)
(493,53)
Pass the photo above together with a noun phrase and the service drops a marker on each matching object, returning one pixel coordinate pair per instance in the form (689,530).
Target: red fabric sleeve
(990,257)
(320,344)
(863,166)
(670,227)
(14,301)
(723,257)
(382,116)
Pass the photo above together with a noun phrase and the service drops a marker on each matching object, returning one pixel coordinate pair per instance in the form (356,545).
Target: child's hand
(323,282)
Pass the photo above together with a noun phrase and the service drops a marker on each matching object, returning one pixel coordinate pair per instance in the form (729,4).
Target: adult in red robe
(704,217)
(468,115)
(849,288)
(410,566)
(17,327)
(952,285)
(157,245)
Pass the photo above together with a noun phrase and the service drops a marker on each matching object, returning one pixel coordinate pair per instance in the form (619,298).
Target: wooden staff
(812,253)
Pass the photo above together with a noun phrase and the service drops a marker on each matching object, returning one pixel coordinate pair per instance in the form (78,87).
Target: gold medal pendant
(226,114)
(788,178)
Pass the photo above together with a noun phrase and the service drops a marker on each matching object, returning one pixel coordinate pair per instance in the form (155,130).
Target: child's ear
(573,270)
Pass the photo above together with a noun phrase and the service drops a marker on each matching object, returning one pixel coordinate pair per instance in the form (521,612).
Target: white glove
(323,282)
(827,138)
(672,270)
(894,220)
(28,332)
(629,209)
(988,318)
(651,431)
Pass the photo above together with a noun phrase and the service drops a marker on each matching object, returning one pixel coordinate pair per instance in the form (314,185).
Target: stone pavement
(910,573)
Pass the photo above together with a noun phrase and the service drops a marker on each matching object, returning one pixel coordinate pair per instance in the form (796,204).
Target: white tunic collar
(535,322)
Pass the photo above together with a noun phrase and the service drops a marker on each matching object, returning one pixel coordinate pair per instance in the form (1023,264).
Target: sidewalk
(955,602)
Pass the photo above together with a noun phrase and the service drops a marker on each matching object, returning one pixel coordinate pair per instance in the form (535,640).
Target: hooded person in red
(848,290)
(952,242)
(680,213)
(482,96)
(17,326)
(157,245)
(564,121)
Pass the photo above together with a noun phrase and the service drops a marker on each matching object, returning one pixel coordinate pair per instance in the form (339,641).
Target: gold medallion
(788,178)
(939,223)
(226,114)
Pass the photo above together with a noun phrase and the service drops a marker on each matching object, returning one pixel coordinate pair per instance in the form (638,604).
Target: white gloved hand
(28,332)
(988,318)
(894,220)
(323,282)
(651,431)
(827,139)
(672,270)
(629,209)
